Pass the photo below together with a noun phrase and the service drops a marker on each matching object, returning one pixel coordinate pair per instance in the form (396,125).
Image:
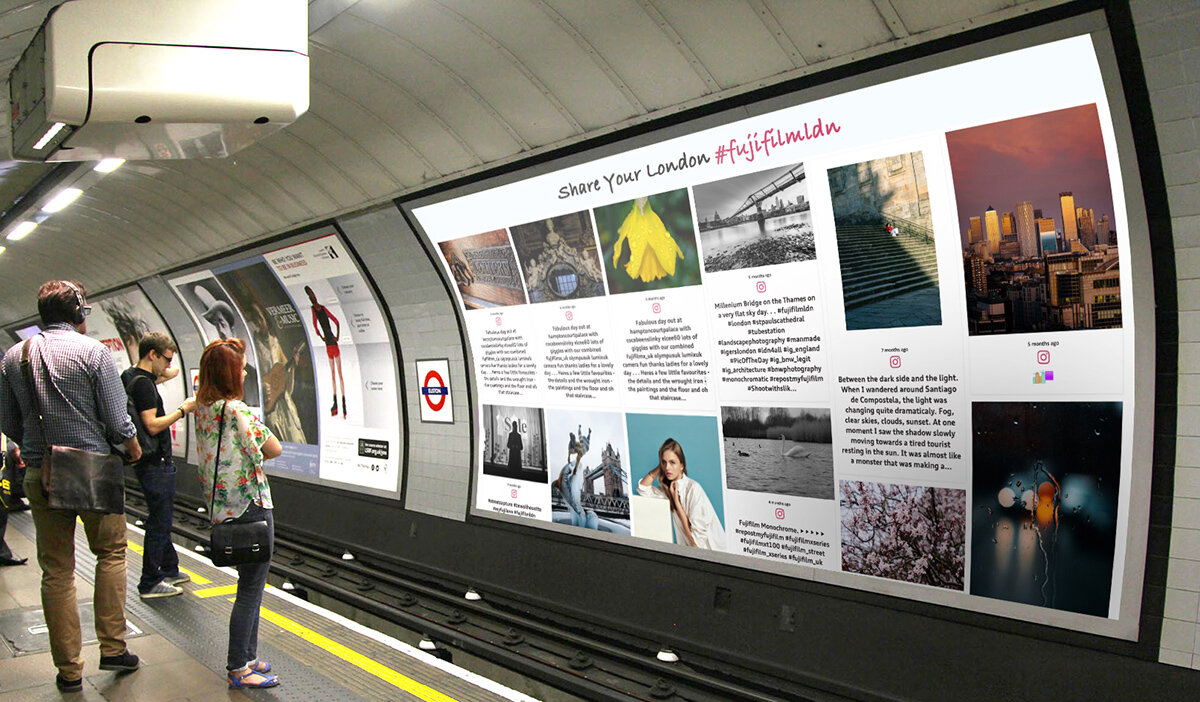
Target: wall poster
(320,365)
(876,342)
(118,321)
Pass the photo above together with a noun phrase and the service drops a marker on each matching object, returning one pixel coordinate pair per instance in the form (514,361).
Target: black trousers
(5,551)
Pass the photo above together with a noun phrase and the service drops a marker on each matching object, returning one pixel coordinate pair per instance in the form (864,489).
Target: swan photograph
(779,450)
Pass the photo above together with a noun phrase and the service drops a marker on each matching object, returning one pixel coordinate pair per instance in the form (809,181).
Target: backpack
(148,443)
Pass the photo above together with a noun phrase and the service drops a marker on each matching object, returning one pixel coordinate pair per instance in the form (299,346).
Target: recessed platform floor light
(22,230)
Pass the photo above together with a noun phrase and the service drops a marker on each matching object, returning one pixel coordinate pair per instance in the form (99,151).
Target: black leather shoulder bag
(237,540)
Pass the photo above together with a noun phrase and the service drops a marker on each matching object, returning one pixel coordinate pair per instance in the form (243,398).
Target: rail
(909,228)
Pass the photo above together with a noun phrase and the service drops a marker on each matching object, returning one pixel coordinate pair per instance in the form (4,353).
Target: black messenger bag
(238,540)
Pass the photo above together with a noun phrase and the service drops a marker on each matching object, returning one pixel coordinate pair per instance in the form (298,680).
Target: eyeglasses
(169,358)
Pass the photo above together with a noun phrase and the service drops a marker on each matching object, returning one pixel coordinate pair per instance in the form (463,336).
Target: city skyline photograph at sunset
(1031,159)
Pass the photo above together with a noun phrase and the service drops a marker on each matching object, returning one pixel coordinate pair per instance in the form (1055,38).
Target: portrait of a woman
(695,520)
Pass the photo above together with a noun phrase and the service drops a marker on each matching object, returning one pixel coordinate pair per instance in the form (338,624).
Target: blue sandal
(236,681)
(259,667)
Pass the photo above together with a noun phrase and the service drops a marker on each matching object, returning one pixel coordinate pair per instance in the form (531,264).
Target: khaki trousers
(56,555)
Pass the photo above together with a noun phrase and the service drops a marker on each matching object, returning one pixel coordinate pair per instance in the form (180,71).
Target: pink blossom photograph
(904,532)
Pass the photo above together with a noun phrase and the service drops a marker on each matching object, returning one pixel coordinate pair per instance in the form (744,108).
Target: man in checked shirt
(83,403)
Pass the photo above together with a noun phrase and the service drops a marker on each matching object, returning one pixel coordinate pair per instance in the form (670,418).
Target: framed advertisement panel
(118,321)
(882,337)
(321,370)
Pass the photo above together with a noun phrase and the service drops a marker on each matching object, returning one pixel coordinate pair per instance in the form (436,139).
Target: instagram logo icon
(497,321)
(513,493)
(656,308)
(570,315)
(894,361)
(1043,356)
(761,286)
(779,513)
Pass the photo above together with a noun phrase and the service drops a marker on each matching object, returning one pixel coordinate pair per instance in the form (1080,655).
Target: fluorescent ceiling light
(1,249)
(50,134)
(109,165)
(61,200)
(22,230)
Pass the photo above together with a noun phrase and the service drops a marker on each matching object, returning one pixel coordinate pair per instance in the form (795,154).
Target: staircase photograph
(885,243)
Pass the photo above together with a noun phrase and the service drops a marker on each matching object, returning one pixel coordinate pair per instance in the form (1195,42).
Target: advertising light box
(119,320)
(320,369)
(882,339)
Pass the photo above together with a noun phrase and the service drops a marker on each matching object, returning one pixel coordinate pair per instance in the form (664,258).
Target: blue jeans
(243,621)
(159,559)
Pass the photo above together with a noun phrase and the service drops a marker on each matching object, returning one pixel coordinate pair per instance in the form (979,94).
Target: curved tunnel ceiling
(405,95)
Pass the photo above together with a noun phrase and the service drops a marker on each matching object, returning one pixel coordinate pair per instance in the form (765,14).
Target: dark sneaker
(65,685)
(177,579)
(162,589)
(126,662)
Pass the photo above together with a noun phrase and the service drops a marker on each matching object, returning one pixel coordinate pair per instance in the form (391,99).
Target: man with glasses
(156,470)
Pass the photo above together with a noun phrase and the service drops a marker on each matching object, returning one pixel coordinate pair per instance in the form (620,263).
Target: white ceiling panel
(923,16)
(405,95)
(555,61)
(355,163)
(244,184)
(825,30)
(492,76)
(331,175)
(191,199)
(403,165)
(162,216)
(634,47)
(732,58)
(441,94)
(427,138)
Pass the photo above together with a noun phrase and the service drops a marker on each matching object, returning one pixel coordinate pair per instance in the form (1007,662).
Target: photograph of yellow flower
(649,243)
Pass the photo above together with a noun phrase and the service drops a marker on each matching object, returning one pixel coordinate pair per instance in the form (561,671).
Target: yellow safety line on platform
(353,657)
(216,591)
(196,577)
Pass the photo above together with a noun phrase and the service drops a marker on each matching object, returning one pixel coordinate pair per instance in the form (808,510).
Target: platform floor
(181,640)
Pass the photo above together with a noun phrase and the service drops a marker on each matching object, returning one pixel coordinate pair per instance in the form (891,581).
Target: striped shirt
(82,399)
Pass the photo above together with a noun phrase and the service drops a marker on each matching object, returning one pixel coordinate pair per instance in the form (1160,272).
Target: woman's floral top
(240,479)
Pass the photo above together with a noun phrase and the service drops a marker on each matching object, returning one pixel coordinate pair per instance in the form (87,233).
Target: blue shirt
(82,399)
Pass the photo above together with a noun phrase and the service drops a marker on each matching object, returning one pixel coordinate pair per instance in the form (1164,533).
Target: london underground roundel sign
(434,383)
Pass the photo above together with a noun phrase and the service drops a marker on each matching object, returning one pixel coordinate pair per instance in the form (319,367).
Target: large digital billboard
(883,339)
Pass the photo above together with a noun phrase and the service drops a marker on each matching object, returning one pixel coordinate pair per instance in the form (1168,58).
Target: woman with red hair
(232,444)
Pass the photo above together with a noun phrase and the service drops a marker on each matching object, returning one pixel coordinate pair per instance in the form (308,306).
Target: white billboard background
(938,369)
